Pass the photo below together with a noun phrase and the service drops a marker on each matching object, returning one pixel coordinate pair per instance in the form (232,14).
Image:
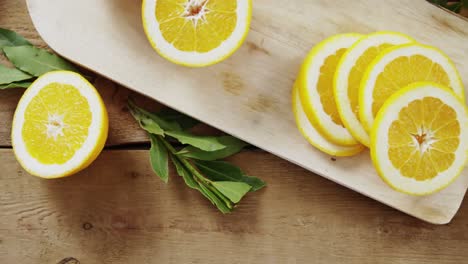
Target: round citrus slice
(196,32)
(349,74)
(60,125)
(315,84)
(398,67)
(314,137)
(419,142)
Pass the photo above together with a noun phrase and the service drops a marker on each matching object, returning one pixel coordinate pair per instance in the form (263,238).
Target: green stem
(184,162)
(228,202)
(198,176)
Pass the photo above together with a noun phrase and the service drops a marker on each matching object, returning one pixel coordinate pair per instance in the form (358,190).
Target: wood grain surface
(117,211)
(124,214)
(249,94)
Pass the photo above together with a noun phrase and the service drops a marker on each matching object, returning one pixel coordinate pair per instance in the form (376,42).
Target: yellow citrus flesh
(313,136)
(325,84)
(419,140)
(196,32)
(423,139)
(56,123)
(404,71)
(398,67)
(60,125)
(180,25)
(357,72)
(315,83)
(350,72)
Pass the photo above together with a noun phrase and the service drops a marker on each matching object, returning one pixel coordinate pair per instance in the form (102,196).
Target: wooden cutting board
(249,94)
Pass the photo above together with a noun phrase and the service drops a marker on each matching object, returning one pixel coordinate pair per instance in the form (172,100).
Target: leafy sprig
(454,6)
(30,62)
(222,183)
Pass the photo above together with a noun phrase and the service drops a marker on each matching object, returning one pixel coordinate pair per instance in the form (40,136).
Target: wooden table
(118,211)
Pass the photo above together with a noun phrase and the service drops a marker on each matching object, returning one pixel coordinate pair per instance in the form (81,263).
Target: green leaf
(201,142)
(184,121)
(214,199)
(24,84)
(9,75)
(10,38)
(151,126)
(233,146)
(224,171)
(151,121)
(232,190)
(204,190)
(159,158)
(36,61)
(181,171)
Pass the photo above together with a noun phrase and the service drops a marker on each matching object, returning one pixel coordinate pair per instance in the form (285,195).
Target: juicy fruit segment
(349,75)
(56,123)
(313,136)
(419,142)
(422,141)
(399,66)
(404,71)
(357,72)
(315,83)
(325,84)
(60,125)
(196,33)
(196,25)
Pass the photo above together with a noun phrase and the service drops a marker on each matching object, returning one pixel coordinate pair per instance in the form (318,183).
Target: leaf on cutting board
(23,84)
(201,142)
(171,115)
(224,171)
(159,158)
(232,190)
(9,75)
(36,61)
(233,146)
(10,38)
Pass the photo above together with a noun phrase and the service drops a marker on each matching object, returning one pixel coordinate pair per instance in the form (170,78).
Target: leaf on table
(10,38)
(232,190)
(454,6)
(23,84)
(224,171)
(187,176)
(36,61)
(151,126)
(159,158)
(192,183)
(210,195)
(9,75)
(150,120)
(233,146)
(201,142)
(171,115)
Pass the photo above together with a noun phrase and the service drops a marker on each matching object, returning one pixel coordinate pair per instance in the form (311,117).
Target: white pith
(30,163)
(313,136)
(191,4)
(193,57)
(314,62)
(367,86)
(54,126)
(385,119)
(347,63)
